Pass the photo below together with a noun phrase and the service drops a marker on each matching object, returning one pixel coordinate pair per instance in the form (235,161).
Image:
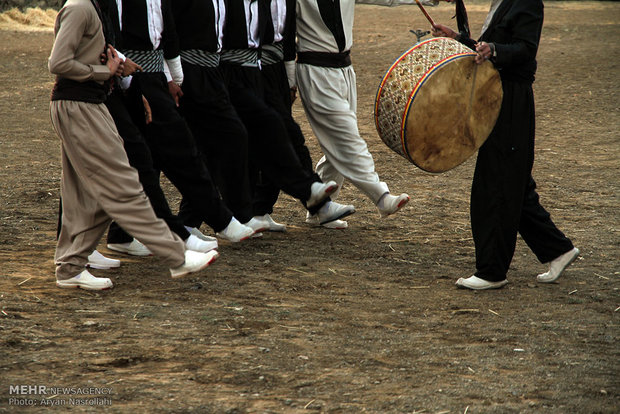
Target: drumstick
(428,17)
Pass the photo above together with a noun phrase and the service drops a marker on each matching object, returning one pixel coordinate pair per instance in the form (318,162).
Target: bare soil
(362,320)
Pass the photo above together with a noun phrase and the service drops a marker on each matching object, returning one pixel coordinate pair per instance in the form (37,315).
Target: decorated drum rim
(387,74)
(431,70)
(384,80)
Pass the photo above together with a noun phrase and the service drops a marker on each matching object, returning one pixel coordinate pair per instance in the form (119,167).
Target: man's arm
(71,25)
(290,30)
(171,45)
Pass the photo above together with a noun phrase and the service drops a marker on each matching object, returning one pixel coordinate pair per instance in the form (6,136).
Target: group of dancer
(212,79)
(201,90)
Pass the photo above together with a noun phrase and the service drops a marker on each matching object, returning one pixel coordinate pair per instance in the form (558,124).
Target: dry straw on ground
(32,19)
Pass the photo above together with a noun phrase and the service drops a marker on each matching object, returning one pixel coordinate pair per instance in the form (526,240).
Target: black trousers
(139,155)
(175,152)
(271,153)
(278,97)
(221,138)
(504,201)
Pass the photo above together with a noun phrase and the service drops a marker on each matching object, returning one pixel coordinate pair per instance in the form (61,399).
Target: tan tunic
(79,43)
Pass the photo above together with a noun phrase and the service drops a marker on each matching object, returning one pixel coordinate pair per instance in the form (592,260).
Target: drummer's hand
(439,30)
(484,52)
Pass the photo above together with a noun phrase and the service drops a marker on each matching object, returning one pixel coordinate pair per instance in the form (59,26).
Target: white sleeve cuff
(290,67)
(167,72)
(175,70)
(126,82)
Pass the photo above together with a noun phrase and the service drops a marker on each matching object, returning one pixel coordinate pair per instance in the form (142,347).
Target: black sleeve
(170,38)
(466,40)
(521,27)
(290,30)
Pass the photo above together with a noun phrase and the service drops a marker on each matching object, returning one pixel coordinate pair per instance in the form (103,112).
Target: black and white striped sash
(200,57)
(243,57)
(272,53)
(149,60)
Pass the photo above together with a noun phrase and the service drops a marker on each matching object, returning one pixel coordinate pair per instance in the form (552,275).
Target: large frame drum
(435,106)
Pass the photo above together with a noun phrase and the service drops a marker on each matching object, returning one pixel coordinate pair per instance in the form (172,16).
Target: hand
(175,91)
(484,52)
(130,67)
(148,114)
(293,94)
(439,30)
(114,63)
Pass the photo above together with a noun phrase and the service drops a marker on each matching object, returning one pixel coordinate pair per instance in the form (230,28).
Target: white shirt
(278,18)
(155,17)
(314,36)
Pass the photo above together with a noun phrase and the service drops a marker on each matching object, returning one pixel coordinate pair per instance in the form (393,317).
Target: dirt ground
(362,320)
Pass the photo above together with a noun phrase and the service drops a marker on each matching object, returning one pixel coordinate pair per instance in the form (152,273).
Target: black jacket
(515,30)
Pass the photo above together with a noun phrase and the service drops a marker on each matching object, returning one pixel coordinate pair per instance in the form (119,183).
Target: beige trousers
(329,96)
(98,185)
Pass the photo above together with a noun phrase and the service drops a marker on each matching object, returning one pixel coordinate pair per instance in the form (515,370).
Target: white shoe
(335,225)
(390,204)
(333,211)
(235,231)
(135,248)
(257,224)
(198,233)
(195,244)
(194,261)
(329,216)
(98,261)
(557,266)
(271,224)
(476,283)
(86,281)
(320,191)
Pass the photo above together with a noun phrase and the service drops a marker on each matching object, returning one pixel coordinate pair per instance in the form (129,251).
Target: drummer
(326,83)
(504,201)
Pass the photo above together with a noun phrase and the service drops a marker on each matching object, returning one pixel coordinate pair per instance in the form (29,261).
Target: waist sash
(70,90)
(200,57)
(325,59)
(243,57)
(149,60)
(272,53)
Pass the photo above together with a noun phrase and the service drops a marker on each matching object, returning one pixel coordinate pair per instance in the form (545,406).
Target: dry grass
(33,19)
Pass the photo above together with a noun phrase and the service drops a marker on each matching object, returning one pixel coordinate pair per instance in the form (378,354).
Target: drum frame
(432,69)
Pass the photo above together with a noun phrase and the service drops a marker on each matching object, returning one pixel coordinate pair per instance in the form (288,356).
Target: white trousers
(329,96)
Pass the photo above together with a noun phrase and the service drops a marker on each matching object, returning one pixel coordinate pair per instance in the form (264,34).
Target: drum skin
(435,106)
